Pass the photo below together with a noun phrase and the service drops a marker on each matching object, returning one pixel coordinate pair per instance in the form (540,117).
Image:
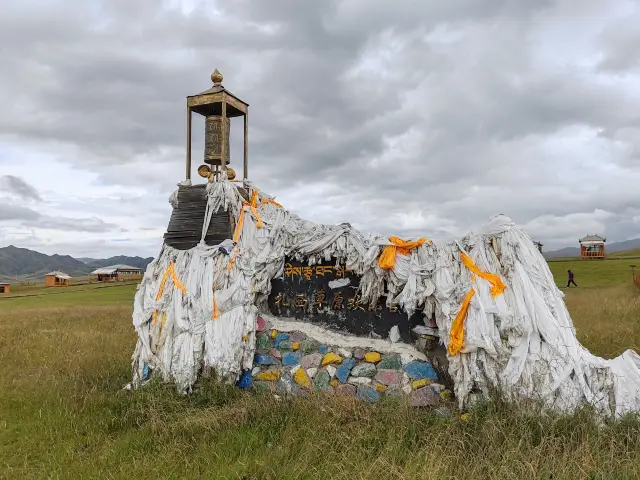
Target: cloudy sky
(406,117)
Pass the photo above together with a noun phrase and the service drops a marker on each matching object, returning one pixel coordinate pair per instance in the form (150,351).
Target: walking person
(571,280)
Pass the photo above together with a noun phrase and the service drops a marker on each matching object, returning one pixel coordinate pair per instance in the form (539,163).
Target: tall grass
(63,413)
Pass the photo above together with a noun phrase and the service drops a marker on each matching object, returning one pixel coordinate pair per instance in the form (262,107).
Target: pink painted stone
(423,397)
(346,390)
(275,353)
(311,361)
(389,377)
(359,353)
(262,325)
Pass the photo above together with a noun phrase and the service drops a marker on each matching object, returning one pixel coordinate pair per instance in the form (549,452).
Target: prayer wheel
(216,136)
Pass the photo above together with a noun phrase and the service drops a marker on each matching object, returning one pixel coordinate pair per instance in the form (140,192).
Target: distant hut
(592,246)
(5,288)
(56,279)
(116,273)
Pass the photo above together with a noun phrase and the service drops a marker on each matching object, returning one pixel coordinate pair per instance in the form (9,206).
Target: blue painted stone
(290,358)
(367,394)
(342,372)
(280,338)
(323,349)
(245,380)
(145,371)
(418,370)
(264,360)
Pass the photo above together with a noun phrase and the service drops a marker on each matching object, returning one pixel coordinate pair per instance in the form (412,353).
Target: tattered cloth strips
(171,270)
(388,258)
(456,335)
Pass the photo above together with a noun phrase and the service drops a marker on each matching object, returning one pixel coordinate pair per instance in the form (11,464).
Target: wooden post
(188,143)
(246,145)
(223,153)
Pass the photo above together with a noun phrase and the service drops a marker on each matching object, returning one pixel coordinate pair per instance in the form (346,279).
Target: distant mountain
(569,252)
(119,260)
(32,265)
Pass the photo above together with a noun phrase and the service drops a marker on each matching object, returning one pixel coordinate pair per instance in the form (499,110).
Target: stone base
(295,362)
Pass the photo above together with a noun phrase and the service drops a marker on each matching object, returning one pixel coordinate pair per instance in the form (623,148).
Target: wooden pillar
(246,145)
(188,175)
(223,153)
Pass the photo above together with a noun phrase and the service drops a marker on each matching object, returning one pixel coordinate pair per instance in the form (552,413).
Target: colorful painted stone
(331,370)
(290,358)
(245,380)
(394,391)
(255,371)
(438,387)
(280,338)
(381,388)
(345,353)
(309,346)
(321,382)
(302,379)
(389,377)
(359,353)
(274,333)
(311,361)
(359,381)
(418,370)
(295,346)
(342,372)
(264,360)
(367,394)
(446,395)
(334,382)
(276,354)
(364,370)
(312,372)
(285,345)
(262,386)
(263,342)
(406,358)
(391,362)
(297,337)
(323,349)
(331,359)
(268,376)
(261,324)
(346,390)
(423,397)
(284,386)
(372,357)
(416,384)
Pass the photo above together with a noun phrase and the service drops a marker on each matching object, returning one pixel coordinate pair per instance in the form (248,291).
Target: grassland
(65,357)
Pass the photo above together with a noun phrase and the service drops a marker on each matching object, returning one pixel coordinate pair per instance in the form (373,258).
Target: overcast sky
(406,117)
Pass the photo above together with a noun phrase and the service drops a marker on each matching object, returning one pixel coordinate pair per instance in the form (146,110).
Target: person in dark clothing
(571,280)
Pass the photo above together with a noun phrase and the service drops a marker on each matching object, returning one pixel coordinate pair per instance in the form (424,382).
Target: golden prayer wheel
(216,140)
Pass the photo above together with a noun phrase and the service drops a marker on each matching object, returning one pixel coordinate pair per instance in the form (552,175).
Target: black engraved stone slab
(327,295)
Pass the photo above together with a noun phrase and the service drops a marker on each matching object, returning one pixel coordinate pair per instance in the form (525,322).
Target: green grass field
(66,356)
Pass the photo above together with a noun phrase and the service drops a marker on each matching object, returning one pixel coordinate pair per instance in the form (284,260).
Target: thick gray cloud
(418,118)
(17,187)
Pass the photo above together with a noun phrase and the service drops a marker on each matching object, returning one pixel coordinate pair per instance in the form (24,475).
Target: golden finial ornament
(231,173)
(216,78)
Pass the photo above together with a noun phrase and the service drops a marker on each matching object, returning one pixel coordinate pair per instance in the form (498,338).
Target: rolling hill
(28,264)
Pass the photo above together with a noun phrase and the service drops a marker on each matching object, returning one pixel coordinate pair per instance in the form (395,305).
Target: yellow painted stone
(465,417)
(295,346)
(274,333)
(331,358)
(446,395)
(334,382)
(270,376)
(372,357)
(302,378)
(416,384)
(381,388)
